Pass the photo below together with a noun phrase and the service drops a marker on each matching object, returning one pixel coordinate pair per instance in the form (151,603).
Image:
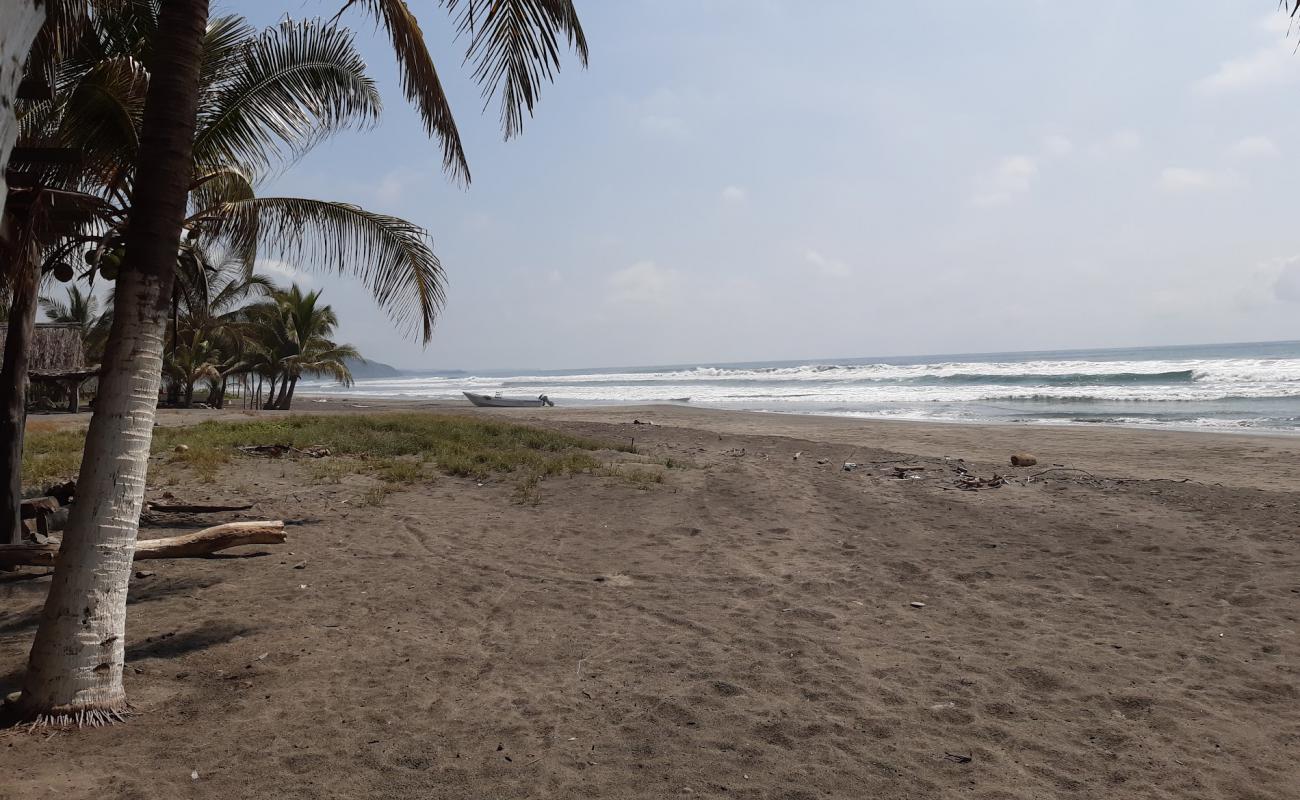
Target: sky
(741,180)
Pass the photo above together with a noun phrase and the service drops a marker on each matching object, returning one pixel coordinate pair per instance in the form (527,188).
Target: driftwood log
(189,545)
(176,508)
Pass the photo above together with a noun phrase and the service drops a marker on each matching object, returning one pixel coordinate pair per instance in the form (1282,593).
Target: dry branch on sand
(189,545)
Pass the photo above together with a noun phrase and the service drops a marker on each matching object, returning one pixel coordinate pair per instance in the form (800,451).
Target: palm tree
(75,669)
(195,359)
(276,93)
(290,335)
(212,289)
(81,309)
(74,672)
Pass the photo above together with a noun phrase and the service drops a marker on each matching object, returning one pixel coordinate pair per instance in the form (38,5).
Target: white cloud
(734,195)
(390,189)
(1274,64)
(1278,22)
(1058,146)
(1254,147)
(1286,287)
(1013,176)
(281,271)
(1183,179)
(645,282)
(664,126)
(661,114)
(830,267)
(1118,143)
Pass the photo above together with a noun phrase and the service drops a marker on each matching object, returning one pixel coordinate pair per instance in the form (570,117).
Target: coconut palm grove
(142,131)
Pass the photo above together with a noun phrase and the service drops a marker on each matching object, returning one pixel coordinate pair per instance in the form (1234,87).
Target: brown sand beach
(746,625)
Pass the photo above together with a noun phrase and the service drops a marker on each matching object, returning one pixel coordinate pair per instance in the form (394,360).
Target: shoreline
(310,396)
(1242,459)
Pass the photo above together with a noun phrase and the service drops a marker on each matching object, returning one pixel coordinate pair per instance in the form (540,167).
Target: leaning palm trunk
(13,392)
(21,22)
(286,394)
(288,397)
(74,674)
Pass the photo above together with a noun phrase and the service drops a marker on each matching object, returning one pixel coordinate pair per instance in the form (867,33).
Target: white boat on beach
(497,401)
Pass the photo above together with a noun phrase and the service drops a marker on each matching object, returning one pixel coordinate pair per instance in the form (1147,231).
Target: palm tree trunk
(22,21)
(174,386)
(288,400)
(270,394)
(189,393)
(75,669)
(281,401)
(13,392)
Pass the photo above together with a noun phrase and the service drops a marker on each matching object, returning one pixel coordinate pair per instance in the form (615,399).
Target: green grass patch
(399,444)
(51,455)
(639,477)
(375,496)
(528,492)
(398,449)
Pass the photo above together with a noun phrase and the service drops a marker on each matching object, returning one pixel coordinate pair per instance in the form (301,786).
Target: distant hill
(363,369)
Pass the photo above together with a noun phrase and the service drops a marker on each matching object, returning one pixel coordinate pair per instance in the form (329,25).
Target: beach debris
(181,448)
(300,565)
(190,545)
(180,508)
(277,450)
(735,452)
(194,773)
(144,573)
(1023,459)
(823,461)
(968,482)
(958,758)
(65,492)
(849,466)
(796,455)
(917,604)
(908,473)
(41,516)
(1075,469)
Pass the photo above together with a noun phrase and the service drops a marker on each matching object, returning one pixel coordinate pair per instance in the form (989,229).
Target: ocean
(1232,387)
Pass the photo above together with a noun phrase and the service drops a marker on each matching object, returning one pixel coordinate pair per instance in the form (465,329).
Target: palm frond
(225,183)
(223,47)
(515,46)
(291,86)
(103,112)
(392,256)
(65,21)
(419,78)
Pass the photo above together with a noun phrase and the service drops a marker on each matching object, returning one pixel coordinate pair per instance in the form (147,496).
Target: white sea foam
(1046,389)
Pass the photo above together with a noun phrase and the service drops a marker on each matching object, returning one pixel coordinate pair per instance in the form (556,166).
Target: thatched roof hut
(56,347)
